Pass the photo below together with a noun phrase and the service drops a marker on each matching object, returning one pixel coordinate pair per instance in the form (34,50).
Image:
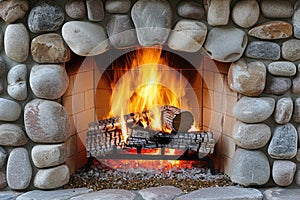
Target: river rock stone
(2,67)
(16,42)
(272,30)
(191,10)
(75,9)
(121,31)
(19,171)
(250,167)
(282,68)
(218,12)
(296,19)
(10,11)
(296,114)
(17,82)
(3,182)
(49,48)
(95,10)
(283,172)
(277,85)
(48,81)
(117,6)
(296,83)
(3,156)
(45,16)
(283,144)
(49,155)
(152,20)
(247,78)
(163,192)
(112,194)
(52,178)
(46,121)
(253,110)
(251,136)
(9,195)
(9,110)
(291,50)
(12,135)
(283,110)
(85,38)
(298,153)
(276,8)
(188,36)
(245,13)
(263,50)
(226,44)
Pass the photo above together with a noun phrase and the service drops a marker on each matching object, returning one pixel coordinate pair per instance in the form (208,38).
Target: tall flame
(145,86)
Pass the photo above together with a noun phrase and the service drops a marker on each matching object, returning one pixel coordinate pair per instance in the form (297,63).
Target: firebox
(149,98)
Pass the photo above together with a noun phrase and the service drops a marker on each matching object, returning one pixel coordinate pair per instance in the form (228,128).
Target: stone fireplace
(236,61)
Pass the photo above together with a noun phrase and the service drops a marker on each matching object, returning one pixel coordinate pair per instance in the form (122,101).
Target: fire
(148,82)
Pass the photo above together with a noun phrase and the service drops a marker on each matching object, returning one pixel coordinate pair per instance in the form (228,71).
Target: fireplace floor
(101,177)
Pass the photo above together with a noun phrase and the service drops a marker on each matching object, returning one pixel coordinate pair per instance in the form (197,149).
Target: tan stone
(291,50)
(272,30)
(245,13)
(283,110)
(49,48)
(218,12)
(247,78)
(12,10)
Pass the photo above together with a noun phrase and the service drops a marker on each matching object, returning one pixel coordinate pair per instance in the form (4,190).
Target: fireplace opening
(151,105)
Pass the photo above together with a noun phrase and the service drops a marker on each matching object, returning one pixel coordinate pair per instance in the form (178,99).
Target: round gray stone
(298,154)
(191,10)
(3,182)
(75,9)
(277,85)
(121,31)
(280,193)
(17,82)
(3,156)
(296,19)
(250,167)
(245,13)
(253,110)
(46,121)
(226,44)
(291,50)
(163,192)
(152,20)
(10,11)
(218,12)
(296,83)
(284,110)
(85,38)
(276,9)
(111,194)
(95,10)
(49,48)
(48,81)
(19,170)
(251,136)
(12,135)
(117,6)
(282,68)
(296,114)
(16,42)
(45,16)
(49,155)
(188,36)
(2,67)
(52,178)
(283,144)
(9,110)
(283,172)
(247,78)
(263,50)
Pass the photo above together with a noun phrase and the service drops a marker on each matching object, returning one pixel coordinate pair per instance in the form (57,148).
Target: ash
(101,177)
